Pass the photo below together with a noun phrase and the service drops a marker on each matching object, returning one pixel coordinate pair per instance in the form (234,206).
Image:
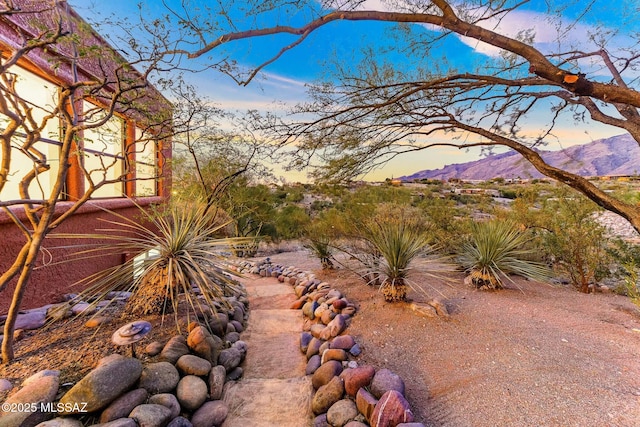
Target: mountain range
(617,155)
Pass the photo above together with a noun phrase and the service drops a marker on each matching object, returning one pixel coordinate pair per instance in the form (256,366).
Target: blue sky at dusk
(284,80)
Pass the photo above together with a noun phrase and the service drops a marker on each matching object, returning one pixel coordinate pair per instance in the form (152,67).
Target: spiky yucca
(496,249)
(399,242)
(185,258)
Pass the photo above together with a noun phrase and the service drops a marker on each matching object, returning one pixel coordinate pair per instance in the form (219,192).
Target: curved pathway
(274,391)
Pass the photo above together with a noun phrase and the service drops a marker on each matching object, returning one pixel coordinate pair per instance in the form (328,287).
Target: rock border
(346,394)
(182,385)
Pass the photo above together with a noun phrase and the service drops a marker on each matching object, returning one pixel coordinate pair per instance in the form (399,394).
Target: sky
(284,80)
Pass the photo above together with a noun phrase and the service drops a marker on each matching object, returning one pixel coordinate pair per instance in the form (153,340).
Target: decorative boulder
(204,344)
(193,365)
(160,377)
(174,349)
(356,378)
(327,395)
(326,373)
(191,392)
(151,415)
(216,382)
(103,385)
(342,412)
(122,406)
(41,387)
(385,380)
(391,410)
(366,403)
(211,414)
(167,400)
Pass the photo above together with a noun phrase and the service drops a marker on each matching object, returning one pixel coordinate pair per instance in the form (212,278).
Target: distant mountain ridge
(617,155)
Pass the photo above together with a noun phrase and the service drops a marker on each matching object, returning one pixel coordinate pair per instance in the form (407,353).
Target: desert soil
(529,355)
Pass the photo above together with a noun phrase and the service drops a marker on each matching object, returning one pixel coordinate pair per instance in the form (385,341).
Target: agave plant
(399,243)
(496,249)
(178,253)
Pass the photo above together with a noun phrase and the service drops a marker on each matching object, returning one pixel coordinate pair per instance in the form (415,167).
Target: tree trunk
(21,286)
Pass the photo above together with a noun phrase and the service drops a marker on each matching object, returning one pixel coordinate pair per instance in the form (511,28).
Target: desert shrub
(449,225)
(495,250)
(575,239)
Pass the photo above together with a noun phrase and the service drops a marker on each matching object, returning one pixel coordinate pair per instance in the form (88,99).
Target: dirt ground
(529,355)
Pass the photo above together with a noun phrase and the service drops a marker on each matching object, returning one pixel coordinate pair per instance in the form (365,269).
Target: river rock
(211,414)
(235,374)
(334,354)
(385,380)
(61,422)
(320,421)
(204,344)
(193,365)
(344,342)
(316,329)
(167,400)
(314,347)
(160,377)
(96,321)
(355,424)
(191,392)
(391,410)
(175,348)
(104,384)
(366,403)
(313,364)
(151,415)
(216,381)
(230,358)
(153,348)
(341,412)
(218,324)
(180,422)
(327,317)
(31,320)
(356,378)
(122,422)
(327,395)
(123,405)
(325,373)
(305,339)
(334,328)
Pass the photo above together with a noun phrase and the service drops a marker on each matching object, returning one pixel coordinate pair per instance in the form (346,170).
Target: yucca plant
(320,246)
(496,249)
(178,253)
(399,243)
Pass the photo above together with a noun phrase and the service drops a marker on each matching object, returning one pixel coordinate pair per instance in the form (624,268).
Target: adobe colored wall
(49,283)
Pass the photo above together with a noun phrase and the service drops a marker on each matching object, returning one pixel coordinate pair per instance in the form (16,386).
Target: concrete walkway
(274,391)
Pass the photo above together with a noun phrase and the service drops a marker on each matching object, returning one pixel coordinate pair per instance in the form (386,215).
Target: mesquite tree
(370,113)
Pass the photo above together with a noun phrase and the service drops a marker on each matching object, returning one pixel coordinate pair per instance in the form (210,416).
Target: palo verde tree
(213,147)
(560,66)
(69,123)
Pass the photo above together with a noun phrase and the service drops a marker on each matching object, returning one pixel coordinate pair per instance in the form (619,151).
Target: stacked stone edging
(346,394)
(182,386)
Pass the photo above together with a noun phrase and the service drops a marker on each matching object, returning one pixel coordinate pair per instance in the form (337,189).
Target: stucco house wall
(49,282)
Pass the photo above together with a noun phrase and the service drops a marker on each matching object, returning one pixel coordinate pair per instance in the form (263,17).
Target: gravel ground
(529,355)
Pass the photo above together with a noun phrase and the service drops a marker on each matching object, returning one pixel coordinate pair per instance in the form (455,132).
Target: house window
(103,152)
(146,164)
(42,97)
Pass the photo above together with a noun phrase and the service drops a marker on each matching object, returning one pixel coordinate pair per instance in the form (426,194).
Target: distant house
(124,148)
